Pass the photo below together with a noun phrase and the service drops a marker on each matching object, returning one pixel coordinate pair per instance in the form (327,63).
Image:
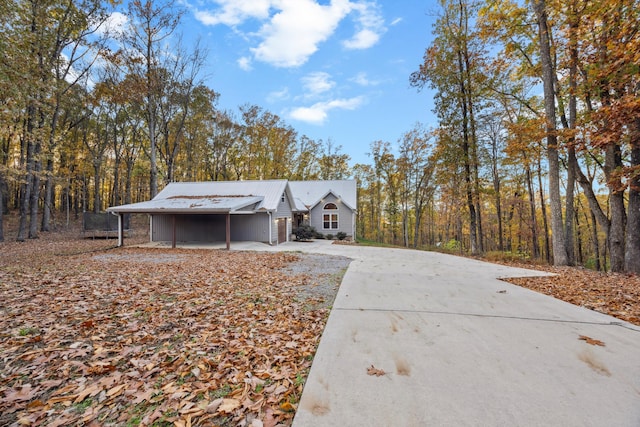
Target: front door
(282,230)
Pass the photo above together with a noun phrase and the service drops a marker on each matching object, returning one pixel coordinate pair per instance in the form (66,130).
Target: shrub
(329,236)
(341,235)
(452,245)
(305,232)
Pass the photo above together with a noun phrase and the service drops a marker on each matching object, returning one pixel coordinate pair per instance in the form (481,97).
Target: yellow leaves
(287,407)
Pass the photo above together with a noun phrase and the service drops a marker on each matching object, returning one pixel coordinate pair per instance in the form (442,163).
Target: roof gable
(310,193)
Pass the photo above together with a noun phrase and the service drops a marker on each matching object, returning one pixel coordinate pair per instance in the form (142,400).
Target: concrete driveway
(459,347)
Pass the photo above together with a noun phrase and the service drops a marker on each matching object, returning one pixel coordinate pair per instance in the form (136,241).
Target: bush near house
(305,232)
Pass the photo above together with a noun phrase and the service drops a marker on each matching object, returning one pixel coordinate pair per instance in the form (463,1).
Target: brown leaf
(591,341)
(229,405)
(26,392)
(372,370)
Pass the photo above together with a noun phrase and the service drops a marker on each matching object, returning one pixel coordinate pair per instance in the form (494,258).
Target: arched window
(330,219)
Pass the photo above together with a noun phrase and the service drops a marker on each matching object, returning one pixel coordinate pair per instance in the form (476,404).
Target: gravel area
(322,277)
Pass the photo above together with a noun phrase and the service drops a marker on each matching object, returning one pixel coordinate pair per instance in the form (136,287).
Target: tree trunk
(572,163)
(548,78)
(498,201)
(35,194)
(96,189)
(48,198)
(26,186)
(543,207)
(596,243)
(632,252)
(613,162)
(532,209)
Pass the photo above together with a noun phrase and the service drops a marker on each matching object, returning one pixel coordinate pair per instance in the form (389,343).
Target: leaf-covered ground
(91,335)
(615,294)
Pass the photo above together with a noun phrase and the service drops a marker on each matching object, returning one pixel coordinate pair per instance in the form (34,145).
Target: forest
(536,153)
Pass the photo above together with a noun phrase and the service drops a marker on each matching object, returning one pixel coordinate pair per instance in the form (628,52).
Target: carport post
(173,233)
(120,230)
(228,230)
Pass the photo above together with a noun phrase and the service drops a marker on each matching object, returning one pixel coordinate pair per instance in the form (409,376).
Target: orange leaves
(591,341)
(185,337)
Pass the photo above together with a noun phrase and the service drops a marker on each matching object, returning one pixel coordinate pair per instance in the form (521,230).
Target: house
(328,206)
(262,211)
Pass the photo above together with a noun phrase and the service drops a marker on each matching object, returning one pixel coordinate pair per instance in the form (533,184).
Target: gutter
(270,221)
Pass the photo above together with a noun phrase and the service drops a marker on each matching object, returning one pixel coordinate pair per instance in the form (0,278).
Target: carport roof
(212,197)
(192,205)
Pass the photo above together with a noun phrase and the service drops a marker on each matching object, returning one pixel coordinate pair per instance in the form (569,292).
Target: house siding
(284,211)
(345,217)
(211,228)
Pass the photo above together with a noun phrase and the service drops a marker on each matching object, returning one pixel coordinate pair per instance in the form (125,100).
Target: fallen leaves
(172,337)
(591,341)
(615,294)
(372,370)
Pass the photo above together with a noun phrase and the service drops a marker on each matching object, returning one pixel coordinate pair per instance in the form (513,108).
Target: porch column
(228,230)
(120,230)
(173,232)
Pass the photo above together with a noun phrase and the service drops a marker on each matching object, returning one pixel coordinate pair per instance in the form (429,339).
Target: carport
(178,209)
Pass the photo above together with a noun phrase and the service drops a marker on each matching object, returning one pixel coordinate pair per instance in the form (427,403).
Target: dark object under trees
(102,224)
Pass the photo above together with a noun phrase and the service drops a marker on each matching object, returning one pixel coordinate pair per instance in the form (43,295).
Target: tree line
(536,151)
(94,116)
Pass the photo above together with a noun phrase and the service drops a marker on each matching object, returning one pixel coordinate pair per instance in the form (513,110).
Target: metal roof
(311,192)
(231,196)
(193,204)
(211,197)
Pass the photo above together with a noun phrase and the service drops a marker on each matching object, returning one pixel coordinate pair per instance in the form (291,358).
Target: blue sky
(334,69)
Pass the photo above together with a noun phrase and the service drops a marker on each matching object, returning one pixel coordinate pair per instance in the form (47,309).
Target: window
(282,198)
(329,219)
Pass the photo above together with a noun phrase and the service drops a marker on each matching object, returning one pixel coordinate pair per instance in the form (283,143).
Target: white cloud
(292,30)
(245,63)
(278,95)
(234,12)
(396,21)
(317,113)
(370,26)
(363,80)
(113,25)
(363,39)
(318,82)
(294,33)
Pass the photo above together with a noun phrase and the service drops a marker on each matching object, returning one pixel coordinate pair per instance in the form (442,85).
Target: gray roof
(211,197)
(193,204)
(309,193)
